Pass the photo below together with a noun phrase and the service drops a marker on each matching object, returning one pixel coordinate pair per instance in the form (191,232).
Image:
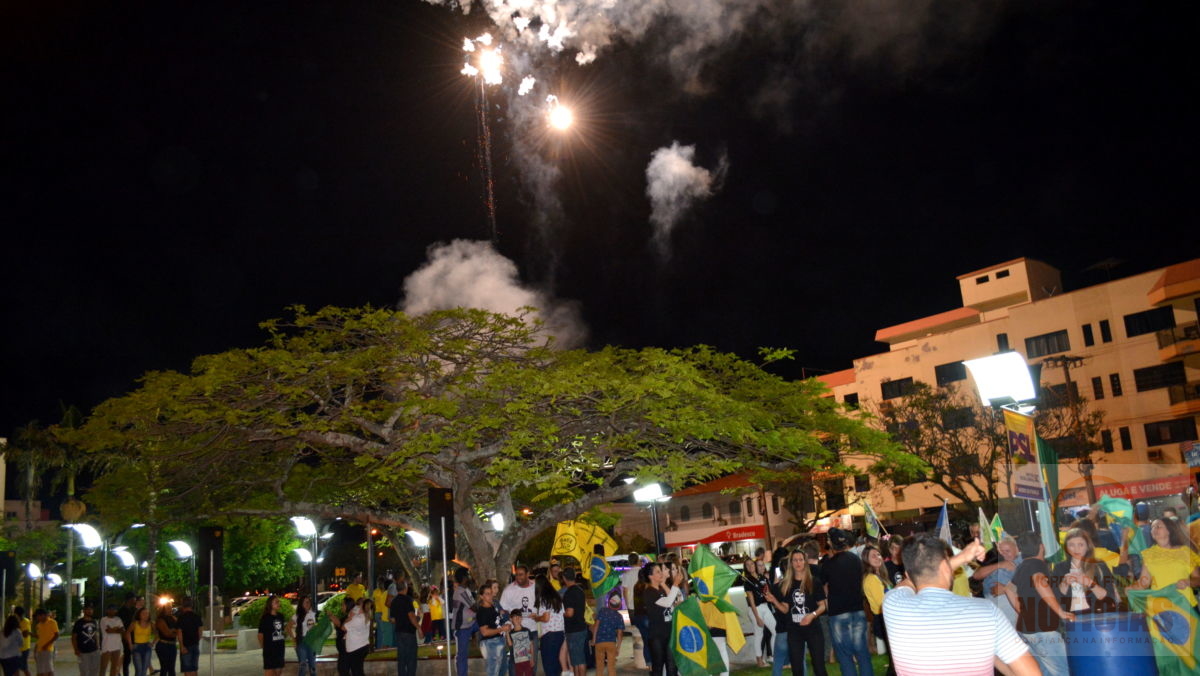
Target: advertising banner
(1022,452)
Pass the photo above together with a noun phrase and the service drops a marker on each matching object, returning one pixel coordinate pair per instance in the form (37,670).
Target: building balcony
(1179,341)
(1185,398)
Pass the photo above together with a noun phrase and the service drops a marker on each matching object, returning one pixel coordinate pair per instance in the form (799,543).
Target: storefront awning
(755,532)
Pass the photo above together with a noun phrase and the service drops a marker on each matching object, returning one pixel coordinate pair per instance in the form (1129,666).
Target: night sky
(174,172)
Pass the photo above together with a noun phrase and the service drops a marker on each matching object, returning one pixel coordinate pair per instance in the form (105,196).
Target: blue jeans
(141,659)
(642,622)
(406,653)
(779,650)
(551,643)
(848,633)
(493,654)
(1050,652)
(306,660)
(462,637)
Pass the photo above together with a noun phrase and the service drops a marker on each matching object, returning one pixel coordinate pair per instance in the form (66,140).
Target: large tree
(353,412)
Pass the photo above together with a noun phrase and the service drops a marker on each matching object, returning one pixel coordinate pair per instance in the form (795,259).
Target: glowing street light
(125,557)
(653,494)
(419,539)
(182,549)
(88,535)
(498,522)
(32,570)
(54,579)
(1002,379)
(305,528)
(304,555)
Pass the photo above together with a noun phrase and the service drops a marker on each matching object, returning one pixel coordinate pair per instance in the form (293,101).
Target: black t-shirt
(126,615)
(802,601)
(488,617)
(755,587)
(172,624)
(189,627)
(1035,616)
(87,635)
(895,572)
(573,598)
(400,609)
(842,572)
(660,617)
(271,628)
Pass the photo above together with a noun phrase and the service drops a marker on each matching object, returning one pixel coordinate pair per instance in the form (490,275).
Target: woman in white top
(358,634)
(548,611)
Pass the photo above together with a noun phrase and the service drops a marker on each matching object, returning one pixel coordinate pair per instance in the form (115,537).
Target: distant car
(236,605)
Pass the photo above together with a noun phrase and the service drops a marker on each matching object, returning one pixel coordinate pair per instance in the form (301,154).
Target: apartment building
(1138,348)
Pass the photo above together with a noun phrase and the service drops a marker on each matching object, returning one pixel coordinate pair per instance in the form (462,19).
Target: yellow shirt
(356,591)
(873,588)
(556,584)
(27,631)
(46,631)
(962,583)
(435,608)
(379,597)
(142,634)
(1168,566)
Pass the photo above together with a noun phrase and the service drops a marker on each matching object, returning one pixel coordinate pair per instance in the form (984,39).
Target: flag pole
(446,601)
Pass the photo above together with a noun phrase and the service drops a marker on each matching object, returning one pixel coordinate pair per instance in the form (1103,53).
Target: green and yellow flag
(997,528)
(601,575)
(727,619)
(579,539)
(711,576)
(1120,511)
(691,643)
(1173,626)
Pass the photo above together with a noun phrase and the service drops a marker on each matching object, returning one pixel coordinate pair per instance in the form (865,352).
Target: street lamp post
(184,551)
(1004,381)
(92,541)
(653,494)
(305,528)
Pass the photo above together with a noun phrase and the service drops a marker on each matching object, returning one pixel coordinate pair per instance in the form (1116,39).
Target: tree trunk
(152,566)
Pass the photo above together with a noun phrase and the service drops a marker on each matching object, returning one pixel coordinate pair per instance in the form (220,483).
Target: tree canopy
(353,412)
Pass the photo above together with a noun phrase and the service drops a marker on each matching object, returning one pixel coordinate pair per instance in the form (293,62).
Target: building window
(1106,440)
(1002,342)
(1171,431)
(835,496)
(706,511)
(685,513)
(775,504)
(950,373)
(1114,383)
(1149,321)
(897,388)
(851,400)
(1002,274)
(749,506)
(981,280)
(735,508)
(1047,343)
(862,483)
(1055,396)
(1160,376)
(1088,338)
(1097,388)
(1126,439)
(1105,331)
(958,418)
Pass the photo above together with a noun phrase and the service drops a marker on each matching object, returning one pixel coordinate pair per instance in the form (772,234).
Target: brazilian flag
(712,576)
(601,575)
(1120,511)
(1173,626)
(691,643)
(315,638)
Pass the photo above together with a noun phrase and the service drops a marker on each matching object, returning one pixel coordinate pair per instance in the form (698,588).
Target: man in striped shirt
(932,631)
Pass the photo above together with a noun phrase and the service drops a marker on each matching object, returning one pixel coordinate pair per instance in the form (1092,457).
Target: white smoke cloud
(673,184)
(472,274)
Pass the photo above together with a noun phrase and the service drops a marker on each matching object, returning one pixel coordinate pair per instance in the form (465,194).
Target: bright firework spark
(526,85)
(490,63)
(560,116)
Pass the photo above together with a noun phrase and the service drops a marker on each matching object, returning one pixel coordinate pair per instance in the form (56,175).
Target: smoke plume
(674,184)
(472,274)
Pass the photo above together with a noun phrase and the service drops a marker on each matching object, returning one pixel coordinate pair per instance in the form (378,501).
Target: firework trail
(485,157)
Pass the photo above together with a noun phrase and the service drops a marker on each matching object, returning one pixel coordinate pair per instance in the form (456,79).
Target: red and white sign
(1130,490)
(755,532)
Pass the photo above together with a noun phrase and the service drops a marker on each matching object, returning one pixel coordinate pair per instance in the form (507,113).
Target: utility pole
(1068,362)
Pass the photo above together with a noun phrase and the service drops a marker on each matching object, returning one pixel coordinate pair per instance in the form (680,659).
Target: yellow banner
(1022,451)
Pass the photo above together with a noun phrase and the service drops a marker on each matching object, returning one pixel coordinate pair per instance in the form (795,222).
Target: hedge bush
(251,614)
